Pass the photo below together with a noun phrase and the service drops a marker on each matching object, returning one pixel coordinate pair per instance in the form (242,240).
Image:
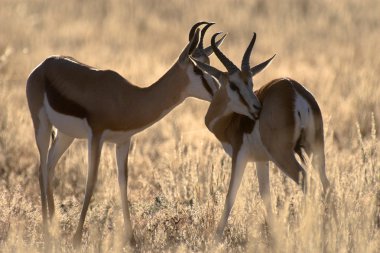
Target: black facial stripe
(233,86)
(242,100)
(199,72)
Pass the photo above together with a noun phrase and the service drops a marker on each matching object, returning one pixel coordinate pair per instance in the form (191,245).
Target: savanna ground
(178,171)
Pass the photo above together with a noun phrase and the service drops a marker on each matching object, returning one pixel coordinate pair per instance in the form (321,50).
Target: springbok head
(200,86)
(236,85)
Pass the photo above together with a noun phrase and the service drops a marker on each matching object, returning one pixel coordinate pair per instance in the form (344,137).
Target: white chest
(117,136)
(253,143)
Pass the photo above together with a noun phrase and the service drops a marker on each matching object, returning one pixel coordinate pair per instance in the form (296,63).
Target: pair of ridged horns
(230,66)
(200,50)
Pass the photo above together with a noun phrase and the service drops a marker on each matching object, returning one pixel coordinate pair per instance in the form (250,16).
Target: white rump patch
(303,115)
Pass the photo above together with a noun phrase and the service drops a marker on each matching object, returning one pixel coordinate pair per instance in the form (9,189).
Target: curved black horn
(245,62)
(231,68)
(195,26)
(208,50)
(203,32)
(259,67)
(194,41)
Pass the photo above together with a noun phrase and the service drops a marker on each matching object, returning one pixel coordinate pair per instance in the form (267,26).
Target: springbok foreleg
(262,170)
(239,161)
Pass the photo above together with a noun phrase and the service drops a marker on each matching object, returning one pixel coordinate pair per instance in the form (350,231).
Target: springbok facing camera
(101,106)
(289,120)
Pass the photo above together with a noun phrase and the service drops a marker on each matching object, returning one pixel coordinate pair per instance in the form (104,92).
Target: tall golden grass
(178,172)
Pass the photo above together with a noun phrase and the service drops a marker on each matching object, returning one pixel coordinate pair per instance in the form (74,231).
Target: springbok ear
(208,50)
(260,67)
(191,46)
(207,68)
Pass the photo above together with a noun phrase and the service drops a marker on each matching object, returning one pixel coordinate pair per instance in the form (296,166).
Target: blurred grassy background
(179,173)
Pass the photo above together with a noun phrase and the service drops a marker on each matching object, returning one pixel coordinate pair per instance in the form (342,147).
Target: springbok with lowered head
(288,120)
(101,106)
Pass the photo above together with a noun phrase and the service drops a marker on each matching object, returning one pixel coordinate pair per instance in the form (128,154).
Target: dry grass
(179,173)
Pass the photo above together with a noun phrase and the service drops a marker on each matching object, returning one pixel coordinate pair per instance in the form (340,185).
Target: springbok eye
(233,87)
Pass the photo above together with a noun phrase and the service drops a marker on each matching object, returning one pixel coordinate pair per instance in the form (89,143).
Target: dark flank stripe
(62,104)
(199,72)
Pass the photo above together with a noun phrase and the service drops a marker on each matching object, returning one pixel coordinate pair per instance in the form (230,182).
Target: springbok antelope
(289,120)
(101,106)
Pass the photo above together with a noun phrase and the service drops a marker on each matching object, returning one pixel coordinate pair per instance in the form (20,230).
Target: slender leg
(94,151)
(281,152)
(290,166)
(239,161)
(122,151)
(319,164)
(42,135)
(277,136)
(57,149)
(262,169)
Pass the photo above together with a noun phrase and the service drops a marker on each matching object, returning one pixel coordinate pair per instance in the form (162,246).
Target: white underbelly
(117,136)
(303,119)
(69,125)
(79,128)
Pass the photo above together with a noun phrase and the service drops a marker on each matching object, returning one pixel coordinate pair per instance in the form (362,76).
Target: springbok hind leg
(42,134)
(279,145)
(318,162)
(288,164)
(60,144)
